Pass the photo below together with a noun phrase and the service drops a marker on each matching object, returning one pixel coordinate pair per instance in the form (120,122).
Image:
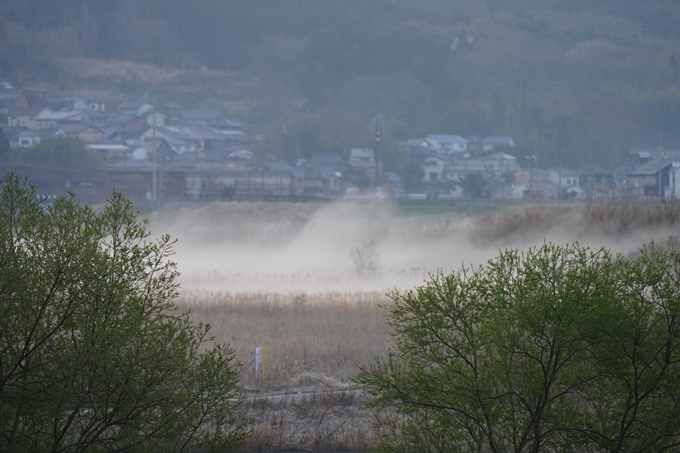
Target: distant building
(446,144)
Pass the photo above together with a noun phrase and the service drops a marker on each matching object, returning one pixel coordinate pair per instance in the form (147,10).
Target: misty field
(286,277)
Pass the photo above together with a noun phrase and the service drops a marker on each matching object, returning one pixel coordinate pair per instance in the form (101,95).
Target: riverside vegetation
(318,340)
(101,351)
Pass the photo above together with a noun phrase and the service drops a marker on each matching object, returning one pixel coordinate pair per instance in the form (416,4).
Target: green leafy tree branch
(559,348)
(93,356)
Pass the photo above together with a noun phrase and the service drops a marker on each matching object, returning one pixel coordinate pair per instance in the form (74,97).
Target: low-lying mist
(322,247)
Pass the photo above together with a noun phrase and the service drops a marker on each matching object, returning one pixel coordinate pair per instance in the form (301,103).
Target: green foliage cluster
(62,152)
(560,348)
(92,355)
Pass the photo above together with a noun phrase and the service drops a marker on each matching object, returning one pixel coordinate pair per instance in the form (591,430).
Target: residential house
(540,190)
(57,118)
(363,168)
(648,155)
(564,177)
(57,103)
(433,168)
(128,137)
(95,117)
(330,160)
(83,131)
(181,146)
(12,134)
(227,159)
(125,122)
(10,96)
(239,160)
(154,118)
(201,138)
(141,153)
(417,147)
(535,184)
(319,177)
(457,170)
(235,136)
(226,124)
(201,117)
(87,102)
(659,177)
(28,138)
(26,117)
(597,182)
(135,107)
(35,94)
(474,145)
(496,143)
(328,168)
(113,150)
(446,144)
(501,163)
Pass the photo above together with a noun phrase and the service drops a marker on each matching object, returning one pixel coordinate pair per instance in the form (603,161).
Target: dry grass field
(281,276)
(314,341)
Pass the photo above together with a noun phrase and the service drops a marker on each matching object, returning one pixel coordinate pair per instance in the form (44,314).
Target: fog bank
(308,248)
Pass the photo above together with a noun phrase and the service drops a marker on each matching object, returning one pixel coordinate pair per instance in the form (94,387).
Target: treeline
(575,82)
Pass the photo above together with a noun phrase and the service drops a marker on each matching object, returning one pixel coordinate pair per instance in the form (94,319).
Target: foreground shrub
(92,355)
(557,349)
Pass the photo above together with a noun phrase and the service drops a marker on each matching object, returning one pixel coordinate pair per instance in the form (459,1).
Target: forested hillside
(573,81)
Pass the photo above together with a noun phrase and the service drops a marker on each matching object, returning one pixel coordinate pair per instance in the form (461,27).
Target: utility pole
(532,163)
(154,176)
(378,134)
(531,169)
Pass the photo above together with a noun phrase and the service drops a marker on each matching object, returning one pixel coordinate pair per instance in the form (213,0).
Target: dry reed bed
(605,218)
(315,341)
(326,335)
